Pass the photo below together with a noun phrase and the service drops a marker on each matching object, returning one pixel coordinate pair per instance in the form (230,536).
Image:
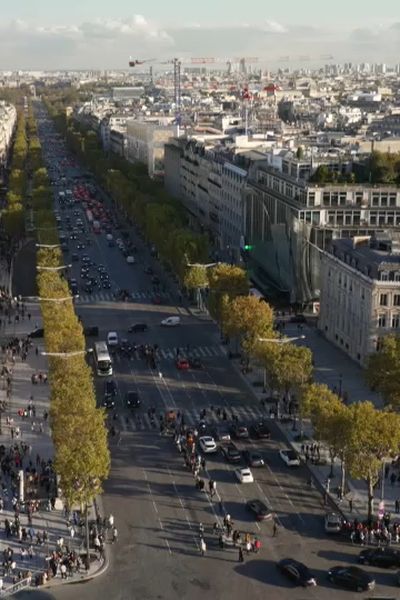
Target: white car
(333,523)
(130,260)
(171,321)
(112,338)
(244,475)
(207,444)
(290,458)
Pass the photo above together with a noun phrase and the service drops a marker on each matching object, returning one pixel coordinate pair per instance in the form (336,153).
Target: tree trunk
(370,498)
(343,475)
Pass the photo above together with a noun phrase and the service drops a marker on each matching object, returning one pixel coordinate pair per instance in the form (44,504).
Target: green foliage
(383,371)
(195,278)
(248,319)
(225,283)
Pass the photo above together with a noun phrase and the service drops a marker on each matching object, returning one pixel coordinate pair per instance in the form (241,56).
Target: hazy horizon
(92,35)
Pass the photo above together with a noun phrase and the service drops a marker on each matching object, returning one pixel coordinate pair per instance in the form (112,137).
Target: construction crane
(135,62)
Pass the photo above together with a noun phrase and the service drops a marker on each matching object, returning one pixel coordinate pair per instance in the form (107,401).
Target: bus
(102,359)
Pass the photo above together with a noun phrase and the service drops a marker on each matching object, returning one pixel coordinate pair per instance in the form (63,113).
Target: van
(171,321)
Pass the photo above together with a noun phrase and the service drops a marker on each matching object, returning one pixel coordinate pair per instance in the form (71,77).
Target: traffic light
(248,247)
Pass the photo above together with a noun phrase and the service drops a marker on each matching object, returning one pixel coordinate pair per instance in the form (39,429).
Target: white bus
(102,359)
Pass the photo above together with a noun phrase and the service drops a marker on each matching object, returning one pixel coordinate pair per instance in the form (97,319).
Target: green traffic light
(248,247)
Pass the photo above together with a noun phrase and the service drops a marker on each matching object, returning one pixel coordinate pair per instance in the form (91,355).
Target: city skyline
(83,35)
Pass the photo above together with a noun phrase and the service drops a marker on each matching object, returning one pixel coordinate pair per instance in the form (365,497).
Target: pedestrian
(241,557)
(274,529)
(248,547)
(397,506)
(203,547)
(63,570)
(114,535)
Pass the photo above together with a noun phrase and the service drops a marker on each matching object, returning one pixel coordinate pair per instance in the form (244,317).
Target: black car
(80,246)
(221,433)
(91,331)
(110,388)
(103,276)
(108,402)
(137,328)
(148,270)
(260,431)
(239,432)
(106,284)
(298,319)
(260,510)
(132,399)
(231,453)
(296,572)
(380,557)
(195,363)
(38,333)
(351,578)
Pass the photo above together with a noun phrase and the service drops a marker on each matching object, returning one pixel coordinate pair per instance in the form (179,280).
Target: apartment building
(289,220)
(146,141)
(360,293)
(8,119)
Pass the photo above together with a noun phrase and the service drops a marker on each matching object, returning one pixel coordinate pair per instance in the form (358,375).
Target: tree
(248,319)
(225,283)
(383,371)
(374,436)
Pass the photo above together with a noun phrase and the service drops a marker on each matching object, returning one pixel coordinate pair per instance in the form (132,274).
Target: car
(290,458)
(137,327)
(85,259)
(73,236)
(110,388)
(221,433)
(260,510)
(239,432)
(260,431)
(207,444)
(333,523)
(380,557)
(130,260)
(38,333)
(171,322)
(108,402)
(101,268)
(195,363)
(244,475)
(296,572)
(106,284)
(352,578)
(231,453)
(132,399)
(87,288)
(253,459)
(103,275)
(182,364)
(112,338)
(81,246)
(91,331)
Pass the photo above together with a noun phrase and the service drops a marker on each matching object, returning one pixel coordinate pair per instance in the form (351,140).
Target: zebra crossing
(200,352)
(140,421)
(109,296)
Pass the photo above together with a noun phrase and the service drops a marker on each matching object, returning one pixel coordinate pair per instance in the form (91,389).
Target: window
(384,276)
(396,300)
(397,276)
(326,199)
(383,300)
(396,321)
(381,320)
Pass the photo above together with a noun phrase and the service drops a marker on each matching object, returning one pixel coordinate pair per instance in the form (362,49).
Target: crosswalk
(140,421)
(200,352)
(109,296)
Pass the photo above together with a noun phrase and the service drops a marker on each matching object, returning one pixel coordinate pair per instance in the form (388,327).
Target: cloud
(273,27)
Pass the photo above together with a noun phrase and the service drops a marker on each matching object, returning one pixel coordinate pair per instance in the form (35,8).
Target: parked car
(110,388)
(380,557)
(290,458)
(195,363)
(231,453)
(38,333)
(298,319)
(296,572)
(182,364)
(221,433)
(260,510)
(91,331)
(171,321)
(351,578)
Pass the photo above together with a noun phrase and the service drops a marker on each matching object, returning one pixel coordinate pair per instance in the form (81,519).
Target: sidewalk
(26,443)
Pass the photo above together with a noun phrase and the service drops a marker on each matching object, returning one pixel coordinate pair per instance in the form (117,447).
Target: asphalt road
(152,496)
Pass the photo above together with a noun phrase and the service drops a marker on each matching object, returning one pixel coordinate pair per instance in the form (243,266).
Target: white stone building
(360,293)
(8,119)
(146,141)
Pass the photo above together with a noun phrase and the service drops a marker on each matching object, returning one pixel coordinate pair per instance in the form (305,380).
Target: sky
(95,34)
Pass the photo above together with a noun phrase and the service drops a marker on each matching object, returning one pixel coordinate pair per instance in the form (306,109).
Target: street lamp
(47,245)
(66,354)
(39,268)
(56,300)
(281,340)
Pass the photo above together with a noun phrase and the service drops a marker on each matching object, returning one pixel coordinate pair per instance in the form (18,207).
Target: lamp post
(340,384)
(56,300)
(66,354)
(281,340)
(40,268)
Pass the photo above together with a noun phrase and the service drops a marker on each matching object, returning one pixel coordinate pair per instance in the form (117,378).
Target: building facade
(146,143)
(360,293)
(289,221)
(8,119)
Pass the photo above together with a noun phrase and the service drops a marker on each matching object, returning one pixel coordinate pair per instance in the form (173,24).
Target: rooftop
(376,257)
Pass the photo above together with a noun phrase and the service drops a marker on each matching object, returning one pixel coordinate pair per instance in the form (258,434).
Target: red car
(182,364)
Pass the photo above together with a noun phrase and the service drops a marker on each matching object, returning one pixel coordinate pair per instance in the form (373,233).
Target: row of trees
(13,216)
(82,459)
